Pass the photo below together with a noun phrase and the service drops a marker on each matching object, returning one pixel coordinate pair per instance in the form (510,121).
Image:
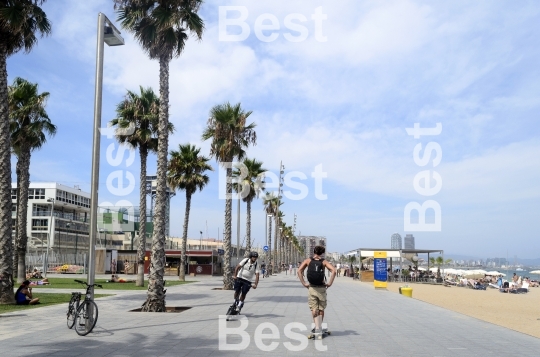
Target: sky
(333,87)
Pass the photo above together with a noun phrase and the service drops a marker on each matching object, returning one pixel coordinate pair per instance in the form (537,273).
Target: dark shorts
(25,302)
(242,285)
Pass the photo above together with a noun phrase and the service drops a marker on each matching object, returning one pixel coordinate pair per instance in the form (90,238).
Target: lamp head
(111,35)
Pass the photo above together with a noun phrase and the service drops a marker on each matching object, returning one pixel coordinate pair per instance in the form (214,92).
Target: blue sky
(344,103)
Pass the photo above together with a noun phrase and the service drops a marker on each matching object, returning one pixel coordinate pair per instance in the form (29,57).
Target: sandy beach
(519,312)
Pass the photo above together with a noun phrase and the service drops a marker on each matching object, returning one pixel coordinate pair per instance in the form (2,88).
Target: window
(39,193)
(40,224)
(13,193)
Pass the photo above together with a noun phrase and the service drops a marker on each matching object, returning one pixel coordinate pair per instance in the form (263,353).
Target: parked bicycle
(82,315)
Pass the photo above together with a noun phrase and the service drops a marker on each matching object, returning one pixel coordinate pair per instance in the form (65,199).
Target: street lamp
(46,263)
(266,218)
(109,34)
(200,242)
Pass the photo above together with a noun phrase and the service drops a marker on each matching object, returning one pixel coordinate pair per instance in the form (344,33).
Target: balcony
(63,215)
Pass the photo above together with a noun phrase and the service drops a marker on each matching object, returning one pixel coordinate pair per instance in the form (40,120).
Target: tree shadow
(135,343)
(287,298)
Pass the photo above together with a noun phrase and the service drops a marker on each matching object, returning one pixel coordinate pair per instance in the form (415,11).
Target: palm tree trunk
(269,241)
(141,249)
(6,240)
(275,244)
(248,229)
(23,167)
(18,193)
(227,273)
(184,238)
(155,301)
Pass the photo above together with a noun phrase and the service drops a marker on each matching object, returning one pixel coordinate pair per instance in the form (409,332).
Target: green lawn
(45,299)
(69,283)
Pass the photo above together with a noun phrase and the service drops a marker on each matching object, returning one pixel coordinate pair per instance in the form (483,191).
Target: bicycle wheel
(86,317)
(71,316)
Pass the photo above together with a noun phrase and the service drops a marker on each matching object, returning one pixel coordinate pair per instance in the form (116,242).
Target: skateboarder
(317,285)
(243,276)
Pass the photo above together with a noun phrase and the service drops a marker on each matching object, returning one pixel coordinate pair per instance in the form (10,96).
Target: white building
(335,256)
(67,223)
(395,241)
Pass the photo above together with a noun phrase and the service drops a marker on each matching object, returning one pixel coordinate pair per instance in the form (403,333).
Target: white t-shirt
(247,271)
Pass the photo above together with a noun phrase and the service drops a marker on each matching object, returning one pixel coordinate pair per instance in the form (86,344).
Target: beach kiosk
(367,257)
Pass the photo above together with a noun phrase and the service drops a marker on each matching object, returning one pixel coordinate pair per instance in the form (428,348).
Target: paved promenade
(364,322)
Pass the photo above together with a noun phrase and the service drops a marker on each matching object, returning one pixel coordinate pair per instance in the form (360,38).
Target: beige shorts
(317,298)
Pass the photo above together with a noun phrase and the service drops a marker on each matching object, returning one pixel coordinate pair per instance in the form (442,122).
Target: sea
(522,273)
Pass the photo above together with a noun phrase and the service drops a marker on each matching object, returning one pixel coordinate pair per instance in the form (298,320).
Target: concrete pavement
(364,322)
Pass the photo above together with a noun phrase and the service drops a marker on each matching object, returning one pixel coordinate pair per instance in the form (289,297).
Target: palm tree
(20,24)
(288,247)
(187,172)
(251,184)
(29,125)
(270,202)
(136,126)
(161,27)
(231,135)
(277,238)
(439,261)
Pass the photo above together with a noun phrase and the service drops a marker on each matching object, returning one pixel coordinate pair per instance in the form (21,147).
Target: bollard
(406,291)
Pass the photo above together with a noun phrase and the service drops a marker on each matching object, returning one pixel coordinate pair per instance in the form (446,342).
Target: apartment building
(56,211)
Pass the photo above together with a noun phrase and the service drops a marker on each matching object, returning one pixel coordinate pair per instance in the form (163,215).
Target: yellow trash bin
(406,291)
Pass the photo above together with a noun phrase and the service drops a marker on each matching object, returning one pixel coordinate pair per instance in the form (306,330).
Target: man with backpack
(243,276)
(317,284)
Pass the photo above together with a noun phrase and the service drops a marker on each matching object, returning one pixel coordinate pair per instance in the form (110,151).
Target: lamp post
(200,242)
(238,231)
(106,33)
(46,263)
(278,232)
(267,234)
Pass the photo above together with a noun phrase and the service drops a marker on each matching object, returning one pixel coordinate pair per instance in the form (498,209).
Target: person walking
(263,269)
(243,277)
(316,285)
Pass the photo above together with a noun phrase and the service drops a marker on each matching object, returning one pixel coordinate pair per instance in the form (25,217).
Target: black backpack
(315,272)
(247,260)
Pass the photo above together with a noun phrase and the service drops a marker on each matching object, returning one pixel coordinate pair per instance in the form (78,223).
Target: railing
(58,263)
(56,214)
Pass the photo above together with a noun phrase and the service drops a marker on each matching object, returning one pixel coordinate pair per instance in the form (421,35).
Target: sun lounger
(474,285)
(523,289)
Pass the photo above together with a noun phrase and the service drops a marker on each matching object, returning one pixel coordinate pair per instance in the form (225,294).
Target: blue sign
(380,273)
(265,248)
(220,251)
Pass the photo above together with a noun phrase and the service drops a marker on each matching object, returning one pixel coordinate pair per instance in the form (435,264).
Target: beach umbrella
(422,268)
(495,273)
(535,272)
(473,274)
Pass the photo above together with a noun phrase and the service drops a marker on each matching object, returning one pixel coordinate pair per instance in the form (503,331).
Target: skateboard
(233,310)
(319,336)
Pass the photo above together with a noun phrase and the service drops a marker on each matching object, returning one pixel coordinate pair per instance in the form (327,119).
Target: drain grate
(168,309)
